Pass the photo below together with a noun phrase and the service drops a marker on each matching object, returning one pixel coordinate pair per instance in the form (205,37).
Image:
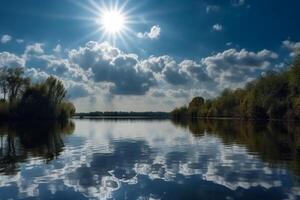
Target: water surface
(143,159)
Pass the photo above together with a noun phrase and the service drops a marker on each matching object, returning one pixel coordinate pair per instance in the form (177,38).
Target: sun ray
(85,7)
(114,20)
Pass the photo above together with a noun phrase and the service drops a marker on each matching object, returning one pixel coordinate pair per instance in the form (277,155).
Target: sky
(147,55)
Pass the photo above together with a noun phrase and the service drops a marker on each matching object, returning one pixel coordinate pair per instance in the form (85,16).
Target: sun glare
(113,21)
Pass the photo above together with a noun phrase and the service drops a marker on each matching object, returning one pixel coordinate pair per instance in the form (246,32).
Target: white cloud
(153,34)
(233,68)
(217,27)
(78,89)
(238,2)
(10,60)
(36,48)
(20,41)
(36,74)
(104,71)
(212,8)
(57,48)
(166,68)
(293,47)
(6,39)
(109,64)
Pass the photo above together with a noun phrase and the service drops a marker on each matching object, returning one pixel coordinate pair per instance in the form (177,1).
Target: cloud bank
(108,77)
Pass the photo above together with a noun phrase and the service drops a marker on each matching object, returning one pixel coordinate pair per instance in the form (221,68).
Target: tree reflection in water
(19,141)
(275,142)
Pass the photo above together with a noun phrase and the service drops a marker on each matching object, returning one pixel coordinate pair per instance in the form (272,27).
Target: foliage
(275,95)
(45,100)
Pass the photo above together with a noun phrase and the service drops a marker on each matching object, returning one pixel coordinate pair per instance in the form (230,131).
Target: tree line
(25,100)
(112,114)
(275,95)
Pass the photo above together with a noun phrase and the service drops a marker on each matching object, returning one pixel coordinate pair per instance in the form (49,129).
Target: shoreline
(180,119)
(123,117)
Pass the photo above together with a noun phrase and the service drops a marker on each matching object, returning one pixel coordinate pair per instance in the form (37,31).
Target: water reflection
(277,143)
(153,160)
(19,141)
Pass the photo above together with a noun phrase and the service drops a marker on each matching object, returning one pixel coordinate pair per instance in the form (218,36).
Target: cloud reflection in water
(149,160)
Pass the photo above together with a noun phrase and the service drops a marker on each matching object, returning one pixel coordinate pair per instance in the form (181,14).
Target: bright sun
(113,21)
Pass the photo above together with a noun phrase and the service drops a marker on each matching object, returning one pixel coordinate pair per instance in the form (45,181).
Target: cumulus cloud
(174,74)
(167,68)
(57,66)
(157,64)
(195,70)
(36,48)
(6,39)
(36,74)
(212,8)
(153,34)
(237,67)
(10,60)
(109,64)
(231,68)
(293,47)
(100,68)
(78,89)
(217,27)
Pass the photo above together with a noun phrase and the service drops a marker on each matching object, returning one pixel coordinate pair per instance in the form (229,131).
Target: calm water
(90,159)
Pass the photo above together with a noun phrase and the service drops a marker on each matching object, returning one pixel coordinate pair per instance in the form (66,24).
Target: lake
(150,159)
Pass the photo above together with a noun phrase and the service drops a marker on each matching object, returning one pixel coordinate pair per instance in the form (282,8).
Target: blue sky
(170,51)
